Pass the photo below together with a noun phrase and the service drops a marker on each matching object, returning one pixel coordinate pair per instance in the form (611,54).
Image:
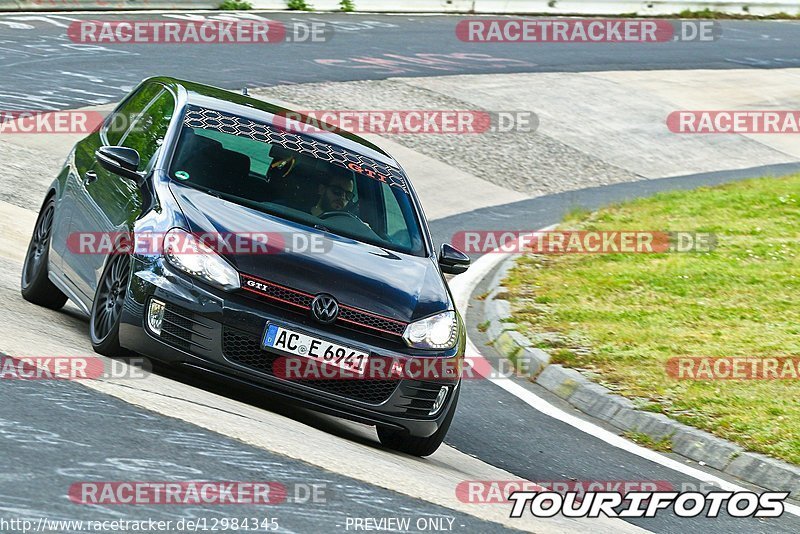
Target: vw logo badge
(324,308)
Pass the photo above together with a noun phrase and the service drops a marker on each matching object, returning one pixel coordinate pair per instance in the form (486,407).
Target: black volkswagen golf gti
(294,261)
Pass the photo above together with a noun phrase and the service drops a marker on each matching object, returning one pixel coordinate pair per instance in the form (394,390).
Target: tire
(35,286)
(401,441)
(107,307)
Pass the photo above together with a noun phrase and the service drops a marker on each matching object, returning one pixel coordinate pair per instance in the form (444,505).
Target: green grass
(745,15)
(635,311)
(711,14)
(299,5)
(661,445)
(235,5)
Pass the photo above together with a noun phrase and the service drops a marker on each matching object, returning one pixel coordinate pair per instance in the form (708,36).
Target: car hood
(388,283)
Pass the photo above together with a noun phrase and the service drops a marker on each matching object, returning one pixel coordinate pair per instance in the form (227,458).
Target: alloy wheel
(110,297)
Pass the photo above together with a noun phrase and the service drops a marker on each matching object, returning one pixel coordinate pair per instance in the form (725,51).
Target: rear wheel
(404,442)
(107,306)
(35,286)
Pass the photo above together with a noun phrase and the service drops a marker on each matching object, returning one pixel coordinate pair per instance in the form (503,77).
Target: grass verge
(661,445)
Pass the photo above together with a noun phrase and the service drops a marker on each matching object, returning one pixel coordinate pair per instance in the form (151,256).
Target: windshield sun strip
(209,119)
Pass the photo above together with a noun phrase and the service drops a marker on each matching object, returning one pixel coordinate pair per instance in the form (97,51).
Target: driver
(334,195)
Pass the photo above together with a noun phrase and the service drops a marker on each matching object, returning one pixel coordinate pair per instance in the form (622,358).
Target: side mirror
(121,161)
(452,260)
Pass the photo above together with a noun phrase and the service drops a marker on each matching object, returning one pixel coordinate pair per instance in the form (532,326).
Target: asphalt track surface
(35,50)
(103,438)
(42,425)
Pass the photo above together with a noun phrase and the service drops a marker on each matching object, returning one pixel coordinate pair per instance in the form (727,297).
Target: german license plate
(300,344)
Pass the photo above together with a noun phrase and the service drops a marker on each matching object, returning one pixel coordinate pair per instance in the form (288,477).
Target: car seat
(208,164)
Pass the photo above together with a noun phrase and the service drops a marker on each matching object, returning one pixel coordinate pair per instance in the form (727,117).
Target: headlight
(436,332)
(188,254)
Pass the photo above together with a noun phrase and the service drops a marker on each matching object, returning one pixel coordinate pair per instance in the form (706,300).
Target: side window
(119,123)
(149,127)
(396,227)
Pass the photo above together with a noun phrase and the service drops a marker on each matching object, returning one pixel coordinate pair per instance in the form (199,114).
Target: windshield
(296,185)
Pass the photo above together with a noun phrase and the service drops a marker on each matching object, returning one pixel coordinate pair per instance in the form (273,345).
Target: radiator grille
(299,301)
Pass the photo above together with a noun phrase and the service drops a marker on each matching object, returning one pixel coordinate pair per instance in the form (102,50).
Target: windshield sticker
(209,119)
(181,175)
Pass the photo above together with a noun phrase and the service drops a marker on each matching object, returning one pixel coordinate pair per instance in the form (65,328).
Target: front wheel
(35,285)
(107,306)
(404,442)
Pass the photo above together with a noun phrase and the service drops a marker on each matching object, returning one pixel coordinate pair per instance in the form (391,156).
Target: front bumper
(220,333)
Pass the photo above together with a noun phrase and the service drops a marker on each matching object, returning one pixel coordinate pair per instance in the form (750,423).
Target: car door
(75,198)
(106,205)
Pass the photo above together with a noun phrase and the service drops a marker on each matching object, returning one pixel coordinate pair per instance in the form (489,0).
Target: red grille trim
(304,302)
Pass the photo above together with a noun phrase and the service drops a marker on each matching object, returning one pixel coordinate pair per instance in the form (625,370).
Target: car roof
(227,101)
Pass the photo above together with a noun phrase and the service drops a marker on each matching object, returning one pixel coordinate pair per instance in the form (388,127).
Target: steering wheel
(338,213)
